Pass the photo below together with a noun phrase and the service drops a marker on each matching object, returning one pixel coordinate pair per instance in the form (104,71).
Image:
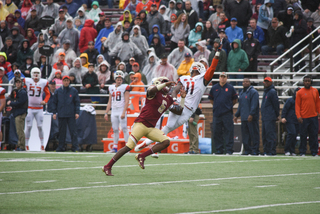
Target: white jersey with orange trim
(117,96)
(35,91)
(2,96)
(195,88)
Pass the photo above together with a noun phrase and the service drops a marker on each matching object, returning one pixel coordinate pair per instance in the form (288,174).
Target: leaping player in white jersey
(119,102)
(35,88)
(2,105)
(195,86)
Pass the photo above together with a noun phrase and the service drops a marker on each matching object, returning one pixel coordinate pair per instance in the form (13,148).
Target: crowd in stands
(152,37)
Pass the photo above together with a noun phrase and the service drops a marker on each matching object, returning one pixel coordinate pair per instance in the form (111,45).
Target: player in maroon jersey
(158,101)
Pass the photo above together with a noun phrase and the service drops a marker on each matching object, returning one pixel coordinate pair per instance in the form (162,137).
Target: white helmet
(35,73)
(160,80)
(197,66)
(118,73)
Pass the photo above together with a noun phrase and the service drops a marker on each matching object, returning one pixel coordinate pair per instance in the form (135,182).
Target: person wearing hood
(33,22)
(70,54)
(237,60)
(81,14)
(4,64)
(162,11)
(195,36)
(27,66)
(17,38)
(26,5)
(299,32)
(104,33)
(289,117)
(122,67)
(143,21)
(84,60)
(171,9)
(87,34)
(3,12)
(269,116)
(234,32)
(286,17)
(177,55)
(155,18)
(104,75)
(30,36)
(62,57)
(38,6)
(100,58)
(10,6)
(158,47)
(4,31)
(125,49)
(71,34)
(92,53)
(165,69)
(156,30)
(265,15)
(192,15)
(24,52)
(248,110)
(143,5)
(132,7)
(59,23)
(180,30)
(252,47)
(94,12)
(202,52)
(185,65)
(21,21)
(140,41)
(100,25)
(10,50)
(150,68)
(114,37)
(126,16)
(78,70)
(72,7)
(51,9)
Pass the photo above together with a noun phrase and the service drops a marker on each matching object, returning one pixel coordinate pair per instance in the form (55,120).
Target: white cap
(17,71)
(2,68)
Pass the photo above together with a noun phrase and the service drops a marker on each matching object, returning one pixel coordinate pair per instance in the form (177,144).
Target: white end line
(48,181)
(266,186)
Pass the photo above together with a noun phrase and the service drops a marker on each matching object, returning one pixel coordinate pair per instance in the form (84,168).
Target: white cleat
(155,155)
(140,146)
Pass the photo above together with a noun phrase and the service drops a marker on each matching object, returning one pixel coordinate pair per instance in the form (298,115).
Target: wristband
(161,86)
(217,53)
(182,102)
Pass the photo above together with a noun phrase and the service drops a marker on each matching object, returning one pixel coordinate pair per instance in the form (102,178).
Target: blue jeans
(267,49)
(223,132)
(250,136)
(71,123)
(309,126)
(291,141)
(269,137)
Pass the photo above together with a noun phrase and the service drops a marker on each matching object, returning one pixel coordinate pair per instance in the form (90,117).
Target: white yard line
(148,165)
(102,182)
(206,185)
(48,181)
(157,183)
(317,188)
(255,207)
(266,186)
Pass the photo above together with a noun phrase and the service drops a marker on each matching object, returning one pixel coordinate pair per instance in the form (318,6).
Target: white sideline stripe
(48,181)
(164,164)
(0,179)
(102,182)
(317,188)
(157,183)
(206,185)
(266,186)
(255,207)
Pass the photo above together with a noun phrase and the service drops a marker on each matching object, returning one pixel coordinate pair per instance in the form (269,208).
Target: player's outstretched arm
(177,109)
(151,91)
(209,73)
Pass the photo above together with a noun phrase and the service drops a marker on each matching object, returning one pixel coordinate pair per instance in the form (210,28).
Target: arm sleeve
(47,93)
(76,102)
(254,104)
(275,103)
(209,73)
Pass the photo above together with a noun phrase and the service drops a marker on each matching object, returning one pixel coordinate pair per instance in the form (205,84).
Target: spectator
(179,7)
(143,5)
(136,69)
(137,21)
(3,78)
(257,31)
(158,47)
(10,6)
(140,41)
(307,108)
(224,41)
(195,36)
(315,15)
(62,57)
(10,51)
(234,32)
(3,12)
(84,60)
(71,34)
(113,39)
(39,7)
(180,31)
(17,74)
(177,55)
(52,89)
(17,38)
(265,15)
(290,119)
(31,37)
(40,39)
(94,12)
(89,81)
(202,52)
(224,23)
(185,65)
(215,17)
(100,24)
(42,65)
(60,23)
(70,54)
(100,59)
(277,41)
(4,30)
(279,5)
(150,68)
(155,18)
(135,98)
(104,33)
(248,110)
(171,9)
(65,9)
(14,67)
(223,97)
(117,60)
(21,21)
(241,10)
(222,64)
(132,7)
(311,28)
(3,62)
(57,78)
(26,5)
(252,47)
(92,53)
(193,133)
(33,21)
(209,34)
(165,69)
(125,17)
(51,9)
(143,18)
(162,11)
(192,15)
(24,51)
(26,67)
(207,9)
(237,60)
(269,116)
(125,49)
(103,74)
(122,67)
(78,70)
(72,7)
(286,17)
(126,26)
(299,32)
(66,104)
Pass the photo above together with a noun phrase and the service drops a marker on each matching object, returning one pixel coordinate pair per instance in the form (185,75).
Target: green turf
(171,184)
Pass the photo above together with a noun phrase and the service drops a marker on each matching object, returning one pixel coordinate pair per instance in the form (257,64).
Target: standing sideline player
(195,85)
(158,101)
(119,101)
(2,105)
(35,88)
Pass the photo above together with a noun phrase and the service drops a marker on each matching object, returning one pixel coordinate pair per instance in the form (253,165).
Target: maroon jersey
(153,109)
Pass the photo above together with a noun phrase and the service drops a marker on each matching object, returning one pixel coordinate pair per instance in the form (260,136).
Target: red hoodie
(25,9)
(87,34)
(33,39)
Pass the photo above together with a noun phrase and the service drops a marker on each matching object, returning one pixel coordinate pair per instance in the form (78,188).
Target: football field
(74,183)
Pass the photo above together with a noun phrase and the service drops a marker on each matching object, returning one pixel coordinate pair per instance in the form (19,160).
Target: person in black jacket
(10,51)
(252,47)
(158,47)
(209,34)
(33,22)
(66,104)
(4,30)
(26,67)
(192,15)
(89,81)
(92,53)
(19,103)
(311,28)
(286,17)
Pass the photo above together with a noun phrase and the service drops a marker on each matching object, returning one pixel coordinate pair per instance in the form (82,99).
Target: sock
(27,142)
(41,140)
(115,146)
(111,162)
(147,153)
(0,145)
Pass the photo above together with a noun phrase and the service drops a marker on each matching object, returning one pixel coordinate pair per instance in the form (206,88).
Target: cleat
(114,150)
(155,155)
(107,171)
(27,148)
(287,154)
(140,146)
(42,149)
(140,160)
